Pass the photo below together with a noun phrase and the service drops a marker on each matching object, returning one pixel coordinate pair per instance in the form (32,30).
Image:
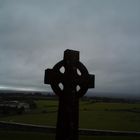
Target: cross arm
(52,76)
(48,76)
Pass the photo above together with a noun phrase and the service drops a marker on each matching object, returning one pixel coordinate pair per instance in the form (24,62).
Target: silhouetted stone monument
(69,80)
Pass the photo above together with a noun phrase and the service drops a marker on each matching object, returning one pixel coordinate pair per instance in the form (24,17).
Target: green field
(111,116)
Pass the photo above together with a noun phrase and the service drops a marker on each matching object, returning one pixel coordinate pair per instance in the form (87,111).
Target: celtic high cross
(69,80)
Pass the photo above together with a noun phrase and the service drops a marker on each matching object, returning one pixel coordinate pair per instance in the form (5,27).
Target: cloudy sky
(34,34)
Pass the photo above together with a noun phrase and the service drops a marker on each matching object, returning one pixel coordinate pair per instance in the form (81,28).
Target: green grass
(92,115)
(113,116)
(104,116)
(49,104)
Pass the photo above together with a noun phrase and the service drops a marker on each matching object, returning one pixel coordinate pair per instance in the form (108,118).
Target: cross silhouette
(69,80)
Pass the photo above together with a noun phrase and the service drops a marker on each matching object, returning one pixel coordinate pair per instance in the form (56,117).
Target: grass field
(112,116)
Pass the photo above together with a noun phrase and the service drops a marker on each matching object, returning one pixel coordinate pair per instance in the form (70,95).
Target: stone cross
(69,80)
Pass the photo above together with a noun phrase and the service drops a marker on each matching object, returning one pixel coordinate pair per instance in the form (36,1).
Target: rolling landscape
(100,114)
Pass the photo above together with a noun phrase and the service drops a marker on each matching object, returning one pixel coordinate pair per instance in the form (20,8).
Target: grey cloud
(34,34)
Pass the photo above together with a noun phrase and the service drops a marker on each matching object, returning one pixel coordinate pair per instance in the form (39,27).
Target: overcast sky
(35,33)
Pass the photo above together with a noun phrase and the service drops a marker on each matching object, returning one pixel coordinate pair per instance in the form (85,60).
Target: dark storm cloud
(34,34)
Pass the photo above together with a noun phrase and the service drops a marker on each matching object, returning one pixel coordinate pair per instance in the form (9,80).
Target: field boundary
(12,126)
